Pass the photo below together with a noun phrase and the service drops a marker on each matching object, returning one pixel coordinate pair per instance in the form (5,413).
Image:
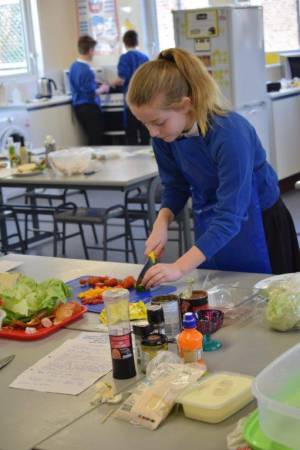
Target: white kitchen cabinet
(57,120)
(285,135)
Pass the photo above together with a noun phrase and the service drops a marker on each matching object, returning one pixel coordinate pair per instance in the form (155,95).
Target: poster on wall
(99,19)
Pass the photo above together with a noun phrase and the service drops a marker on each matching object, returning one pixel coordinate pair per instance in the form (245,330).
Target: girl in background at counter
(214,155)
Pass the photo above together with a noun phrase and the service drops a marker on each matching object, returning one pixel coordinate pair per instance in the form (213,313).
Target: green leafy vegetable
(283,309)
(27,298)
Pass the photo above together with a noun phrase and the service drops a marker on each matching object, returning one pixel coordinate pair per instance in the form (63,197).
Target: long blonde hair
(177,73)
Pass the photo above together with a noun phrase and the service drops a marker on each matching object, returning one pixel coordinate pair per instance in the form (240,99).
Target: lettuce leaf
(28,297)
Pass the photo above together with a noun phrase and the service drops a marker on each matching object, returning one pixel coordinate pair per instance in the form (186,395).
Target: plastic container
(217,397)
(256,438)
(170,306)
(189,341)
(278,395)
(117,310)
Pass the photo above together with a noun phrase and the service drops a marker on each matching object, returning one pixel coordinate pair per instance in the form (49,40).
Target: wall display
(202,45)
(99,19)
(202,23)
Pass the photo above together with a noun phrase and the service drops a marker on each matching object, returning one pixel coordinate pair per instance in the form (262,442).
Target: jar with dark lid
(155,316)
(151,345)
(197,302)
(141,331)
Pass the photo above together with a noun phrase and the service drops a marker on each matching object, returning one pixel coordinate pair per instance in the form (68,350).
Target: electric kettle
(45,87)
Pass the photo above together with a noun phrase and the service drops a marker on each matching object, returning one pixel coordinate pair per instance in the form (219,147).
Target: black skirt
(281,239)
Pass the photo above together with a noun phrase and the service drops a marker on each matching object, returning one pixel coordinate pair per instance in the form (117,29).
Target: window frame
(30,48)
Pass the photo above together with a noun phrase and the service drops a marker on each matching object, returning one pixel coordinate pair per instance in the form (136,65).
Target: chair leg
(128,234)
(64,238)
(55,237)
(105,241)
(86,253)
(18,229)
(87,202)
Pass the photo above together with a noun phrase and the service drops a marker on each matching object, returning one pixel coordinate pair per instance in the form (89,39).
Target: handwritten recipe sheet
(71,368)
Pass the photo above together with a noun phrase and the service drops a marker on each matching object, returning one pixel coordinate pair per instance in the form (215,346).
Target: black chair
(45,194)
(69,213)
(7,216)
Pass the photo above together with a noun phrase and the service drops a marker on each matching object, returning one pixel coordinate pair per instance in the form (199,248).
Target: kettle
(45,87)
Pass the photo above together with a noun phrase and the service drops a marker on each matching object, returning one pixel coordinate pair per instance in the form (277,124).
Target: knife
(6,360)
(151,260)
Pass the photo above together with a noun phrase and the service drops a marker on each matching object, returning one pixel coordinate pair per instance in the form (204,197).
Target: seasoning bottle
(140,331)
(11,150)
(151,345)
(117,310)
(23,152)
(189,340)
(155,316)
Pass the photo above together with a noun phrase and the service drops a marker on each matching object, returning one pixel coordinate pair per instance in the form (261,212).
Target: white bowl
(71,161)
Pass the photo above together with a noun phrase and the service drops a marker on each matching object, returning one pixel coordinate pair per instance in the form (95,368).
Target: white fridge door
(247,56)
(258,116)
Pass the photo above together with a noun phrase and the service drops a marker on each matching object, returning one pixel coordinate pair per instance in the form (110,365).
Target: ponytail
(173,75)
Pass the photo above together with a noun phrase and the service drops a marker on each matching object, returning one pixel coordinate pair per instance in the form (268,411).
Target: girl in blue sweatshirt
(213,155)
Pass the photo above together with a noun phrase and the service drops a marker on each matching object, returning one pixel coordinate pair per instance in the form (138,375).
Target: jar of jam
(151,345)
(196,302)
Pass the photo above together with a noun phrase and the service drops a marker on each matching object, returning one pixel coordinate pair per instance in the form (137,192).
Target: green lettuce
(283,309)
(27,298)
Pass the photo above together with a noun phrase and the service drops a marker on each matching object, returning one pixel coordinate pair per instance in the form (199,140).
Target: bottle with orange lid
(190,340)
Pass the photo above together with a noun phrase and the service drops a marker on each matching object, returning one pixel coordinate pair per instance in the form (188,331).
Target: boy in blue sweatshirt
(85,93)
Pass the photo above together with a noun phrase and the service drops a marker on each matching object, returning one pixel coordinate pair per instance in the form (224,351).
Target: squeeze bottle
(189,341)
(116,303)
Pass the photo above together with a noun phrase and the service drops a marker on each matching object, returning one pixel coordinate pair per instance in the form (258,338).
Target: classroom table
(44,421)
(118,174)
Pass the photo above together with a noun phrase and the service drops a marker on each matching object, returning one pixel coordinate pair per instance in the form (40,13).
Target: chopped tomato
(128,282)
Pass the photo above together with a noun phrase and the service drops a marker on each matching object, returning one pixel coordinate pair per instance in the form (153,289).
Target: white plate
(28,174)
(265,283)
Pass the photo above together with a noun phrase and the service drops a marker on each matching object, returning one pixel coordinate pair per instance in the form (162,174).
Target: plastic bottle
(117,310)
(189,341)
(23,152)
(11,150)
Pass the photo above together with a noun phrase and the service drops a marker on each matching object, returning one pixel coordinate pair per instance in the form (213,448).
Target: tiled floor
(74,247)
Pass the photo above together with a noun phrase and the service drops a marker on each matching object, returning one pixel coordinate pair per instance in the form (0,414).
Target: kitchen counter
(38,103)
(287,92)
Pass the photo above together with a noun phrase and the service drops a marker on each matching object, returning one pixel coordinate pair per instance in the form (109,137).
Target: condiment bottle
(11,150)
(117,310)
(23,152)
(189,341)
(151,345)
(155,316)
(140,331)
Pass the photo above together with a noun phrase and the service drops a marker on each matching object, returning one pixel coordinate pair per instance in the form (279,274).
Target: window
(281,21)
(13,38)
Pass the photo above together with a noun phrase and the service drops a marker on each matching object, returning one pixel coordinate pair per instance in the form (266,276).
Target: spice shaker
(140,331)
(155,316)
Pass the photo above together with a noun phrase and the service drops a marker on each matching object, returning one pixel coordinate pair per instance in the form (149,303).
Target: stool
(7,212)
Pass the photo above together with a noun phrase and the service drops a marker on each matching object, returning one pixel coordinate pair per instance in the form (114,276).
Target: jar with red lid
(196,302)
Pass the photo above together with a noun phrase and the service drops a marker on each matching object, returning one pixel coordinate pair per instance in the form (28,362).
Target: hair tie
(167,57)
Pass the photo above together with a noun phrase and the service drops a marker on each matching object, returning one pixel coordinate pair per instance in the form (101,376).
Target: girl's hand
(161,273)
(156,241)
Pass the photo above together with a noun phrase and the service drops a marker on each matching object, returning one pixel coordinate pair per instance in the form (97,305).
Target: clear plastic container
(277,389)
(217,397)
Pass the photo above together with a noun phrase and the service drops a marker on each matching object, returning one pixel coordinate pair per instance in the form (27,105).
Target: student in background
(85,93)
(136,132)
(214,155)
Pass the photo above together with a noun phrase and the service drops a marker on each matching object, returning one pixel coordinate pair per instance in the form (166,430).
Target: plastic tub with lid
(277,389)
(217,397)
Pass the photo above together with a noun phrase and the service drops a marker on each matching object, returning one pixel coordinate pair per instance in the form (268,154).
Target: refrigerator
(229,40)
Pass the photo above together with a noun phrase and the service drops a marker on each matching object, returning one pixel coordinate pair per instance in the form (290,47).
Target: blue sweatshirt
(128,63)
(218,171)
(83,84)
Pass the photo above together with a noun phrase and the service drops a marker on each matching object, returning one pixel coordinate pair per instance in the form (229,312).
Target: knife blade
(151,260)
(6,360)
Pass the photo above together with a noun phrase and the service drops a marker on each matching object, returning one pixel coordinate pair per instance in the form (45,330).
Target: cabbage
(283,309)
